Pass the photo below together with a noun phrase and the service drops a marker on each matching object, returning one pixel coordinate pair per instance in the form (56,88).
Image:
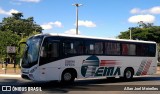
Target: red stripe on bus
(146,67)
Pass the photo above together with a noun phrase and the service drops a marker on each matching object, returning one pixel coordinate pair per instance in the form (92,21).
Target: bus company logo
(144,67)
(92,66)
(6,88)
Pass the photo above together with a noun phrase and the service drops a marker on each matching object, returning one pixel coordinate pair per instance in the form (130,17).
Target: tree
(141,24)
(20,26)
(7,39)
(17,16)
(148,33)
(12,29)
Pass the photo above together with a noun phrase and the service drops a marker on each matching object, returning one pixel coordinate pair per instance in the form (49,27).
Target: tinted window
(89,47)
(112,48)
(73,47)
(151,50)
(53,50)
(93,47)
(79,47)
(140,51)
(50,50)
(99,48)
(68,47)
(145,49)
(128,49)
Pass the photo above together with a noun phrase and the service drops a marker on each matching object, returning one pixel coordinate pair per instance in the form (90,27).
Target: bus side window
(91,49)
(53,50)
(151,50)
(125,49)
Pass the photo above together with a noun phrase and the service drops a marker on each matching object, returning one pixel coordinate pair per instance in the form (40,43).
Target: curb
(10,75)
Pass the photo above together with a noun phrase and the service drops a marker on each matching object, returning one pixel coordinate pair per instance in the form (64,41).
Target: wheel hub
(67,76)
(128,74)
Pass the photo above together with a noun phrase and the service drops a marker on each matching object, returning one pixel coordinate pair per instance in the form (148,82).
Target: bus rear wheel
(67,77)
(128,74)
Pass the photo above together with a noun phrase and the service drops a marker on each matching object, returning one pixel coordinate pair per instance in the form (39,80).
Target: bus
(61,57)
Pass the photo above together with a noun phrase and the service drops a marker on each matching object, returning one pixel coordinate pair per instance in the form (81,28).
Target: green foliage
(147,34)
(14,30)
(7,39)
(144,25)
(23,27)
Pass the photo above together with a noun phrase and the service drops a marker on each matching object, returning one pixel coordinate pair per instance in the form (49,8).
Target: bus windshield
(31,53)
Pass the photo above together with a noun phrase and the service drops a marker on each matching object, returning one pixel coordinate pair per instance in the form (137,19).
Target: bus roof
(90,37)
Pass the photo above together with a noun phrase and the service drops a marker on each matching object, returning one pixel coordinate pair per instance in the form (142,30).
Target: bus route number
(69,63)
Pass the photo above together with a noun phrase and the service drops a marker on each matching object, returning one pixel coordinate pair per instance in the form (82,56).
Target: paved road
(94,86)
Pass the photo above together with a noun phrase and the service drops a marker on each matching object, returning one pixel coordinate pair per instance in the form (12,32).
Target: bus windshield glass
(31,53)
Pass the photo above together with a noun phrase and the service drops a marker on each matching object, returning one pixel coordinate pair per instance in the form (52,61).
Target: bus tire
(67,77)
(128,73)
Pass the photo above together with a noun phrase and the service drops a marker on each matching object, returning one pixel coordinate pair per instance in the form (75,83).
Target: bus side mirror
(19,48)
(20,62)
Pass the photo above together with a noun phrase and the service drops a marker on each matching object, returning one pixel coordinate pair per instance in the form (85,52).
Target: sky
(100,18)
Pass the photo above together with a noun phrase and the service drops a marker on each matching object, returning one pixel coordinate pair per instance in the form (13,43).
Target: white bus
(65,57)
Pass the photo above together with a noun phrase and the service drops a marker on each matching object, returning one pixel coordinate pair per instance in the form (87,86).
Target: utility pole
(130,31)
(77,5)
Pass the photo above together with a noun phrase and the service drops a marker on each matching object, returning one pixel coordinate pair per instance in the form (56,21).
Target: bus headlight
(32,70)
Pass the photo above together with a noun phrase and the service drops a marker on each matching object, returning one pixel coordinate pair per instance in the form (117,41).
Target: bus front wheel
(67,77)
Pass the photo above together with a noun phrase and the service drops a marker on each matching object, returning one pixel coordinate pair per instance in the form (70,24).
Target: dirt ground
(9,70)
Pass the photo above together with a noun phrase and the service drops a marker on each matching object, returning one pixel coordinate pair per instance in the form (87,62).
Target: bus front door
(49,65)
